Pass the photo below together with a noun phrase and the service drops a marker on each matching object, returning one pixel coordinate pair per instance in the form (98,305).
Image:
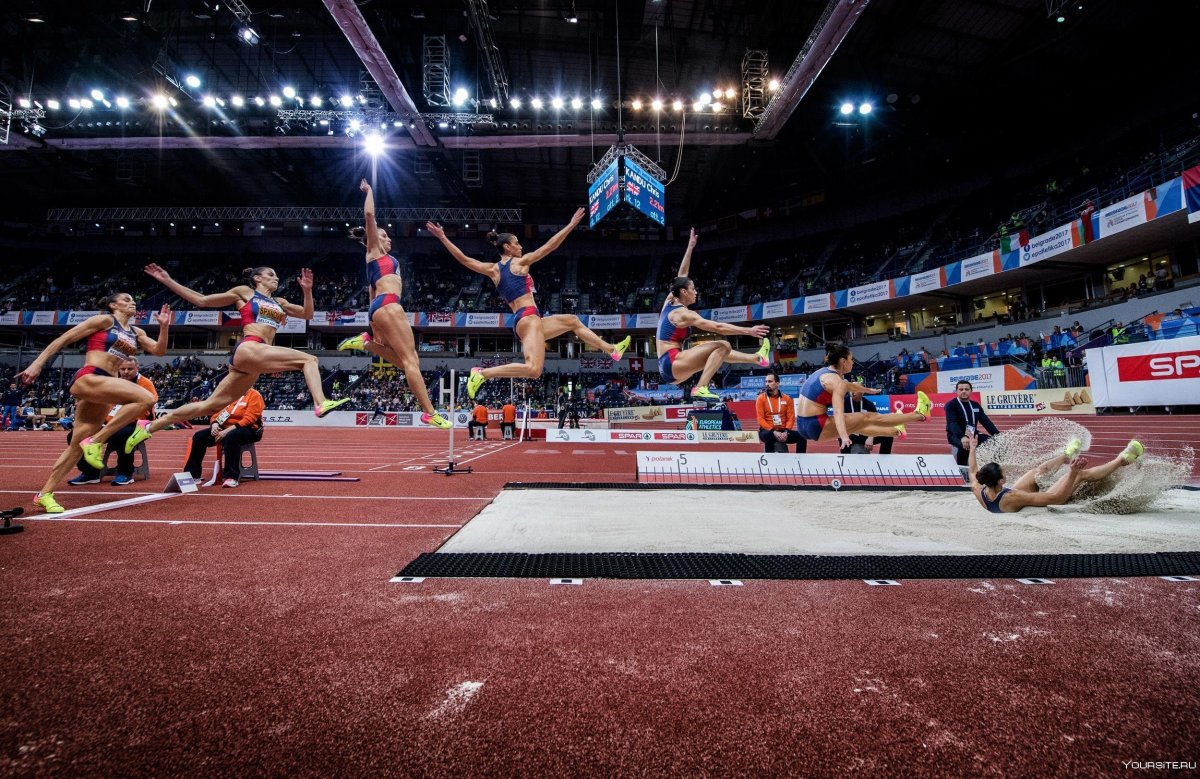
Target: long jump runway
(258,630)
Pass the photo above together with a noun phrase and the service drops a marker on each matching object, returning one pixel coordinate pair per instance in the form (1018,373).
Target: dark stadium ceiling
(955,83)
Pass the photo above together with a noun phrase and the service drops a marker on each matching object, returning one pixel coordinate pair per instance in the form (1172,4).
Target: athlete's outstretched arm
(157,348)
(216,300)
(486,268)
(92,324)
(305,280)
(555,240)
(373,247)
(686,265)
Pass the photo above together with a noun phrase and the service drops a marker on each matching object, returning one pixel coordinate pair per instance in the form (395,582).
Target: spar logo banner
(982,379)
(1130,212)
(1049,244)
(1155,373)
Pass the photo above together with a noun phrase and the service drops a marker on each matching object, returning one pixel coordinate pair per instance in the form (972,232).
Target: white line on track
(47,518)
(260,496)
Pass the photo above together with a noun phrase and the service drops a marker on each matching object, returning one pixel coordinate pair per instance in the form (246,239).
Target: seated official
(777,418)
(964,418)
(128,370)
(856,402)
(508,420)
(479,419)
(237,426)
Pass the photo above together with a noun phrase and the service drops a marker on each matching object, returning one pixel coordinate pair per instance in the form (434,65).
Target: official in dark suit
(963,415)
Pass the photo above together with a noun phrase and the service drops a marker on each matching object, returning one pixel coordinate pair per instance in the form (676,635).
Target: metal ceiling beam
(280,214)
(823,42)
(481,24)
(354,26)
(336,142)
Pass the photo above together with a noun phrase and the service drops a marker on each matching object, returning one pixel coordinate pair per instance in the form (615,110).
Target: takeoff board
(833,471)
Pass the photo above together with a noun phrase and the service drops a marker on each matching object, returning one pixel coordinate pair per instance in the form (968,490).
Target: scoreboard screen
(604,194)
(643,191)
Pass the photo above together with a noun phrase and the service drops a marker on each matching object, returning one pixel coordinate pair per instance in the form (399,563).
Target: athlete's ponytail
(500,240)
(359,234)
(835,353)
(249,273)
(107,301)
(989,475)
(679,285)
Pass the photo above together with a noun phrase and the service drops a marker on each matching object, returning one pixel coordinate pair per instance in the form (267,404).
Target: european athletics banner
(1049,244)
(1191,192)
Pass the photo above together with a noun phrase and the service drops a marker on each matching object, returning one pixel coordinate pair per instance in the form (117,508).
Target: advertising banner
(294,325)
(906,404)
(1154,373)
(204,318)
(775,309)
(1049,244)
(676,413)
(481,320)
(982,379)
(869,293)
(604,321)
(42,318)
(306,418)
(980,266)
(730,314)
(1073,400)
(927,281)
(10,318)
(597,436)
(1128,213)
(75,317)
(645,321)
(815,303)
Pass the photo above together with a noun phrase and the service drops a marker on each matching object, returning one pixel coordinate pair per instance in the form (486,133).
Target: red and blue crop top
(669,331)
(814,390)
(511,285)
(116,340)
(380,267)
(262,310)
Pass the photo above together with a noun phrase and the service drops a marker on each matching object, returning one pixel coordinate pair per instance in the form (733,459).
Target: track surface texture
(255,631)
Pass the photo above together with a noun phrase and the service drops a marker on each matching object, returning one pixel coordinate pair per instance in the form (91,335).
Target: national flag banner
(1191,191)
(1014,241)
(1165,198)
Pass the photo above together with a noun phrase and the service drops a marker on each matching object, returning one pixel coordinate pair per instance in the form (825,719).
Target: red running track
(254,631)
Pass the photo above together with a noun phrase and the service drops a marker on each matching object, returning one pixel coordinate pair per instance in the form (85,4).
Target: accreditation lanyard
(965,407)
(776,413)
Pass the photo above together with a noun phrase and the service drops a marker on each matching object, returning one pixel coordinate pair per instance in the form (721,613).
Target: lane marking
(260,496)
(63,517)
(116,504)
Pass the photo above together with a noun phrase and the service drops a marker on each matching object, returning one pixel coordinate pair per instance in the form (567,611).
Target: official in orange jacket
(128,370)
(777,418)
(508,419)
(238,425)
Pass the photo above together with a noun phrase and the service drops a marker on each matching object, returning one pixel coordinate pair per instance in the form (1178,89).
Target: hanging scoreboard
(643,191)
(604,194)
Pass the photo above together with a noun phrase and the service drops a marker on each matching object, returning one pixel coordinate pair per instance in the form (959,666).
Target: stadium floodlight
(122,102)
(866,108)
(716,93)
(275,100)
(258,101)
(596,104)
(636,105)
(576,103)
(159,102)
(192,80)
(346,101)
(74,103)
(238,101)
(97,94)
(289,92)
(557,103)
(53,105)
(730,92)
(460,96)
(537,103)
(677,105)
(248,35)
(773,85)
(355,125)
(493,102)
(847,109)
(209,101)
(515,102)
(717,107)
(86,103)
(704,99)
(174,103)
(25,102)
(316,101)
(373,143)
(656,104)
(697,106)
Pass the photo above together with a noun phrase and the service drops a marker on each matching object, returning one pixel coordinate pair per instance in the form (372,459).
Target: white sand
(811,522)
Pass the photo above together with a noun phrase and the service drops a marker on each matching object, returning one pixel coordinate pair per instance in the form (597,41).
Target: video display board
(643,191)
(604,194)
